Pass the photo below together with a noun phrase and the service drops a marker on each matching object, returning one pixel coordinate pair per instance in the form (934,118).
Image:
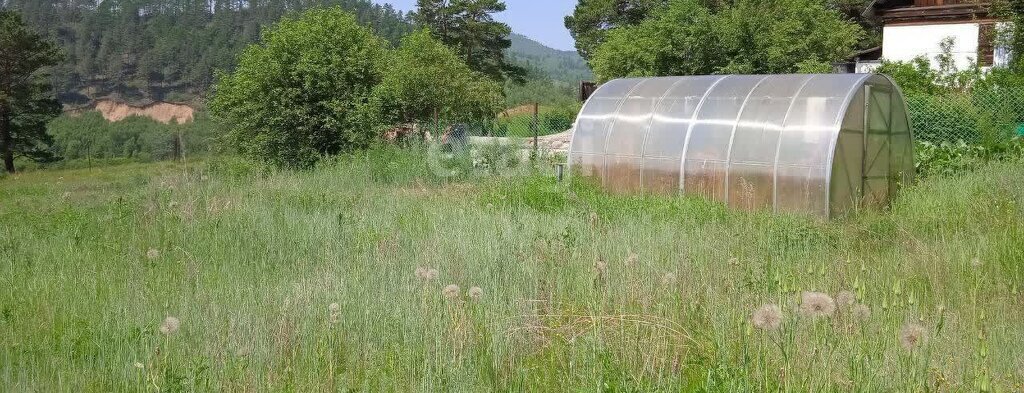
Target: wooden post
(536,127)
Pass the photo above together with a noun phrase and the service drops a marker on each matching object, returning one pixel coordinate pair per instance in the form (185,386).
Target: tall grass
(582,291)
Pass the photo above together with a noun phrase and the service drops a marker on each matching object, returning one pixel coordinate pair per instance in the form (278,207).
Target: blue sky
(541,20)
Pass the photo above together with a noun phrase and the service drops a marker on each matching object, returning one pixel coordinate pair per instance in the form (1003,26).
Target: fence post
(536,127)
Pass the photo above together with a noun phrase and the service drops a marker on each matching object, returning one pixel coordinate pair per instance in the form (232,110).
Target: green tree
(468,27)
(748,36)
(26,104)
(592,19)
(424,77)
(304,91)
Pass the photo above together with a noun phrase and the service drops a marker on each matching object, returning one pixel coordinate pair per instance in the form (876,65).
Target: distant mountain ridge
(559,65)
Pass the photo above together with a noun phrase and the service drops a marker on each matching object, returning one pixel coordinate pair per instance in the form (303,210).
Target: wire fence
(976,117)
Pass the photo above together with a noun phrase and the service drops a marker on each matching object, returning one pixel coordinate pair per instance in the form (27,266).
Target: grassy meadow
(339,279)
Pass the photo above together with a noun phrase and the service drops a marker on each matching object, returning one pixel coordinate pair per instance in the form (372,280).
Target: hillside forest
(141,51)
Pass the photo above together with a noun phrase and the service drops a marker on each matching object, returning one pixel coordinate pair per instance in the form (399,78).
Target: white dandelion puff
(170,325)
(768,317)
(817,304)
(451,291)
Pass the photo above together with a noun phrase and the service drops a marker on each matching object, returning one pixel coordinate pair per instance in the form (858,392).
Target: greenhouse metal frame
(823,144)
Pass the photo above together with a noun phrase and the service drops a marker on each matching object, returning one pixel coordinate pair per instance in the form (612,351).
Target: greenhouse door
(877,146)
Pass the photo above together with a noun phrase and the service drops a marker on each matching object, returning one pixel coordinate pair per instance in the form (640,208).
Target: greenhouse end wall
(820,144)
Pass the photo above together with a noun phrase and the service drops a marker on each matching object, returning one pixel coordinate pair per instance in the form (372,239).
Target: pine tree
(25,103)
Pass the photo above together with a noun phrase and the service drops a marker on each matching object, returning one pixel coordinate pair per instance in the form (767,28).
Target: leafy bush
(560,118)
(950,158)
(424,78)
(304,91)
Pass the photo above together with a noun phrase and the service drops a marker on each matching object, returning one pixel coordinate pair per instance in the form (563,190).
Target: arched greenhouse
(820,144)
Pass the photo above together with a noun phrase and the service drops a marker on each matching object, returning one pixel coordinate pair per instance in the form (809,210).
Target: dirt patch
(164,112)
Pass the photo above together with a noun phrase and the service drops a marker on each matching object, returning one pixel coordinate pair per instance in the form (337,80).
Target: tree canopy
(688,37)
(469,28)
(319,84)
(26,102)
(425,78)
(592,19)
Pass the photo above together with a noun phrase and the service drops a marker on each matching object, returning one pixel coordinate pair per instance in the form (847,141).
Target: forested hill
(139,51)
(144,50)
(559,65)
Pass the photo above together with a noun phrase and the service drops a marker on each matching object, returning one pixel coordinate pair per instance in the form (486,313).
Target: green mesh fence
(975,117)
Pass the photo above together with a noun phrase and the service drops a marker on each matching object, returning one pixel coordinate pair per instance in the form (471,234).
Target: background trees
(468,27)
(425,78)
(592,19)
(688,37)
(320,84)
(26,104)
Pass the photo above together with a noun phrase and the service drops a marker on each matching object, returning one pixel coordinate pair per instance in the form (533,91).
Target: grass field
(309,281)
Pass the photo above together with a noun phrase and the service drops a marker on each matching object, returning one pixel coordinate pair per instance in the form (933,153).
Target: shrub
(560,118)
(303,91)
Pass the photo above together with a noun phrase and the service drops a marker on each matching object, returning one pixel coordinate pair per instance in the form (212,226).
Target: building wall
(905,42)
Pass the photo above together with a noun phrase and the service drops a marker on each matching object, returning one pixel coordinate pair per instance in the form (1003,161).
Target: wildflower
(476,293)
(734,262)
(426,274)
(845,299)
(861,312)
(768,317)
(335,313)
(139,365)
(669,279)
(817,304)
(451,291)
(170,325)
(976,262)
(153,253)
(632,259)
(912,336)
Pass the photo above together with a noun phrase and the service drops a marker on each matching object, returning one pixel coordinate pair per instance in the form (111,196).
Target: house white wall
(905,42)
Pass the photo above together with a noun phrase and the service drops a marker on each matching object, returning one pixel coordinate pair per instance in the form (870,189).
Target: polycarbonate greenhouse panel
(818,144)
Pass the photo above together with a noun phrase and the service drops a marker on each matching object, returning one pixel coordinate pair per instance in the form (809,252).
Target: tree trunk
(6,141)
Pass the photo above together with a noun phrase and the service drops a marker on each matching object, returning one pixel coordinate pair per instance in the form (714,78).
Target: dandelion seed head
(845,298)
(334,307)
(476,293)
(170,325)
(426,273)
(817,304)
(153,253)
(976,262)
(912,336)
(451,291)
(768,317)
